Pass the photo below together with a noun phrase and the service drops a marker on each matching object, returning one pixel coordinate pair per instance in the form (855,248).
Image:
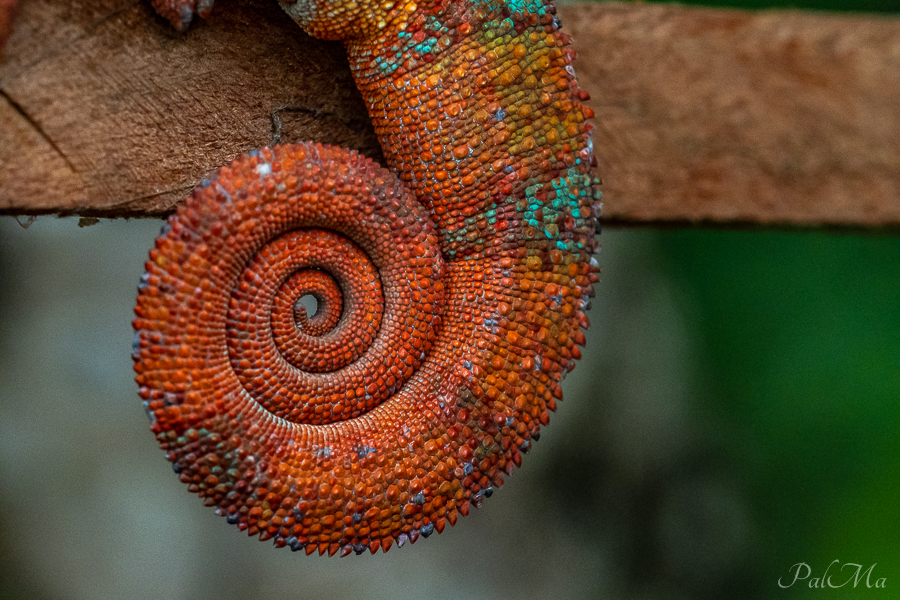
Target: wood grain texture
(105,111)
(729,116)
(712,116)
(7,12)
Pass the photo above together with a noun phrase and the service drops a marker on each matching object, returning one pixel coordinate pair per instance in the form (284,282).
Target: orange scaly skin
(452,295)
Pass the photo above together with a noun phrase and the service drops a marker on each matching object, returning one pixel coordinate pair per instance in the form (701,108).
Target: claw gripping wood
(451,292)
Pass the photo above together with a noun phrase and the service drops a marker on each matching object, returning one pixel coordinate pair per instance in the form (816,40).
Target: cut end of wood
(106,111)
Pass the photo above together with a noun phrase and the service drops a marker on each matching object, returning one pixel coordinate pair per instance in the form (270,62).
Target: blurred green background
(737,412)
(800,344)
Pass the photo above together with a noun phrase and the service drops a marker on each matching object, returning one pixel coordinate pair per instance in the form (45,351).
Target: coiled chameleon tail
(451,292)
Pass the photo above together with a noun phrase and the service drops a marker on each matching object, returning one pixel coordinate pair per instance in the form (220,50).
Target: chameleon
(451,287)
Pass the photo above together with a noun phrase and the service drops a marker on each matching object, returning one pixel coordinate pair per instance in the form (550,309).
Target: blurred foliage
(801,340)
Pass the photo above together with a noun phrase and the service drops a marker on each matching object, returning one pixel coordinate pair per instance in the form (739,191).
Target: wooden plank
(737,117)
(714,116)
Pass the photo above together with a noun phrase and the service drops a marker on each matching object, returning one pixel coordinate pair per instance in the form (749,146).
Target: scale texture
(451,290)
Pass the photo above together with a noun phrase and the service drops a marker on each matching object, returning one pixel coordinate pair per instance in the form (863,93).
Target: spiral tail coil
(394,407)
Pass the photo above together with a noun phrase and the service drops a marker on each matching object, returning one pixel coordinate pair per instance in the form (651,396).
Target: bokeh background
(737,412)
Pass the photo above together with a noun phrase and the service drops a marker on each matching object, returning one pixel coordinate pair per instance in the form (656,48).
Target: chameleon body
(452,291)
